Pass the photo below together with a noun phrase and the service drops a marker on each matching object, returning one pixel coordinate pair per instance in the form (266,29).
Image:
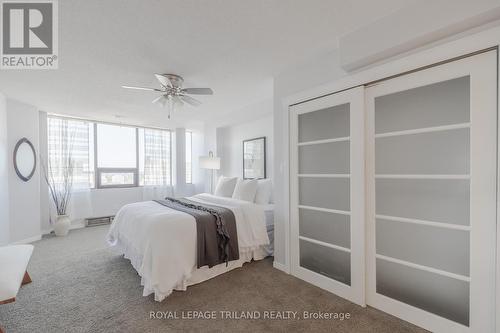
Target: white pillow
(245,190)
(225,186)
(264,189)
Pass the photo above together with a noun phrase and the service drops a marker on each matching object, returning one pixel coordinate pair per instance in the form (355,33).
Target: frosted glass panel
(432,200)
(328,123)
(444,249)
(441,295)
(444,152)
(326,227)
(326,261)
(438,104)
(324,158)
(333,193)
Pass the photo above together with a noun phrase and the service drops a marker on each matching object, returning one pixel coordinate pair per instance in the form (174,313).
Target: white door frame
(482,192)
(355,292)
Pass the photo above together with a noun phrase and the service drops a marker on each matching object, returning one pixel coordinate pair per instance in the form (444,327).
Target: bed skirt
(197,274)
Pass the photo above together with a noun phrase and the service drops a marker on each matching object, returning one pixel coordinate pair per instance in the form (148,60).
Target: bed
(161,245)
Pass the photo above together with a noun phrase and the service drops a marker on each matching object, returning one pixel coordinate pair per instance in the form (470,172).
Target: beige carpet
(80,285)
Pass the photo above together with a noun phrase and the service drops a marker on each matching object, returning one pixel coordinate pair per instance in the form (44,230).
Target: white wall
(210,145)
(442,19)
(4,175)
(231,145)
(24,203)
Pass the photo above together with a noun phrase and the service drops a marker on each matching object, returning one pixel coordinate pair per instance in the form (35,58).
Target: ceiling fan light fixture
(172,92)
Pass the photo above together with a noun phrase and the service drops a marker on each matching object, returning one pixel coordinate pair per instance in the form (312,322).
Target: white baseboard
(281,267)
(77,225)
(46,231)
(27,240)
(74,225)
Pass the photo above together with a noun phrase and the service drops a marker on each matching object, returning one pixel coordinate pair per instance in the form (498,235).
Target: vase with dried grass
(60,183)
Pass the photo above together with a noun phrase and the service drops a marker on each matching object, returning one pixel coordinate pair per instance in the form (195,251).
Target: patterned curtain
(68,138)
(157,162)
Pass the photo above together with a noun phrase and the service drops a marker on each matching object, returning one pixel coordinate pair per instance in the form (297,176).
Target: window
(117,164)
(189,157)
(108,155)
(70,139)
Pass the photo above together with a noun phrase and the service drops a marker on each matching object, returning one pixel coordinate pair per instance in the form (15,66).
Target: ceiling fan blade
(165,81)
(141,88)
(177,100)
(162,100)
(190,100)
(198,91)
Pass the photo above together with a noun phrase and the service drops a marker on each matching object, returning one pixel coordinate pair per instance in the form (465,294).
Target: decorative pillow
(264,189)
(245,190)
(225,186)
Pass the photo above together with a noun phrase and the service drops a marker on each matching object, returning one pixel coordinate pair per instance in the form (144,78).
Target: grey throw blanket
(217,240)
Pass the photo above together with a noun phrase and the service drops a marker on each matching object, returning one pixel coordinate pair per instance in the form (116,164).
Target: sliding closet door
(327,193)
(431,175)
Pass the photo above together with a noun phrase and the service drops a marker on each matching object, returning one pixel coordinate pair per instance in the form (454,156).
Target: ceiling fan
(172,93)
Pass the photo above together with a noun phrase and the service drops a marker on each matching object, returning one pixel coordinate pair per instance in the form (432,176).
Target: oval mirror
(24,159)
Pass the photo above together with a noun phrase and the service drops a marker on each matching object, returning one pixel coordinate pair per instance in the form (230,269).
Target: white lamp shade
(209,162)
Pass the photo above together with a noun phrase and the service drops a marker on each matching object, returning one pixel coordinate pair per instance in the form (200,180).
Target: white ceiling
(234,47)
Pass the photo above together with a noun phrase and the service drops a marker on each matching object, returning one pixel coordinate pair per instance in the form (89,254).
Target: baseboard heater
(94,221)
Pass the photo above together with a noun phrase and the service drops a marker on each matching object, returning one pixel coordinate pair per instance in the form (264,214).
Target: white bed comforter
(161,242)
